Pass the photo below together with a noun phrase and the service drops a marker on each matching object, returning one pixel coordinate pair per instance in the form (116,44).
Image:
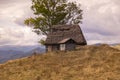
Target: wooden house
(64,37)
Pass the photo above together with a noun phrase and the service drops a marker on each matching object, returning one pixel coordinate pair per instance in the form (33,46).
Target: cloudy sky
(101,22)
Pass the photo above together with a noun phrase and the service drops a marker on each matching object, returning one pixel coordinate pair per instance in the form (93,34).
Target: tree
(53,12)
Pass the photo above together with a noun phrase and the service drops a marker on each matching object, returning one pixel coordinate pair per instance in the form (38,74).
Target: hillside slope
(87,63)
(117,46)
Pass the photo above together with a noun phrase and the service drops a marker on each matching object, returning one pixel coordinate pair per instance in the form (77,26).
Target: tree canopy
(53,12)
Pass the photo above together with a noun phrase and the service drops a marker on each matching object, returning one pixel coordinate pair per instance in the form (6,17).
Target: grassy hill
(87,63)
(117,46)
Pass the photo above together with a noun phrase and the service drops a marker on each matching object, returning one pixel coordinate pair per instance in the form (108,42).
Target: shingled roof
(63,32)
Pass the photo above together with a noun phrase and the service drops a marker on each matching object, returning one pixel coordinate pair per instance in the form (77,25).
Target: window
(62,47)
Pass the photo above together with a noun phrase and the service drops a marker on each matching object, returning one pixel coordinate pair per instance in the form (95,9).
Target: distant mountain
(20,48)
(37,50)
(6,55)
(114,44)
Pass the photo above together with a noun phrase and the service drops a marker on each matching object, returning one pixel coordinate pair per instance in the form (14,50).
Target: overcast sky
(101,22)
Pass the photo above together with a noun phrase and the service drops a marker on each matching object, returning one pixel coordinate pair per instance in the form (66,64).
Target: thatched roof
(61,33)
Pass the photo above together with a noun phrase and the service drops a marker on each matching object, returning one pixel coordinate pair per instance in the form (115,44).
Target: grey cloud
(116,1)
(5,42)
(17,6)
(101,20)
(13,1)
(27,14)
(13,31)
(101,32)
(9,3)
(20,21)
(18,36)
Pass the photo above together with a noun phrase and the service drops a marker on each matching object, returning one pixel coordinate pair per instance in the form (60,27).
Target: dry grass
(117,46)
(87,63)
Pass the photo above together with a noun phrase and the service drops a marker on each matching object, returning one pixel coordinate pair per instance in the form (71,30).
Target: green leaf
(53,12)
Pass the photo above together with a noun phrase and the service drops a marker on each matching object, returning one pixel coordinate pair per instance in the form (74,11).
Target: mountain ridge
(6,55)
